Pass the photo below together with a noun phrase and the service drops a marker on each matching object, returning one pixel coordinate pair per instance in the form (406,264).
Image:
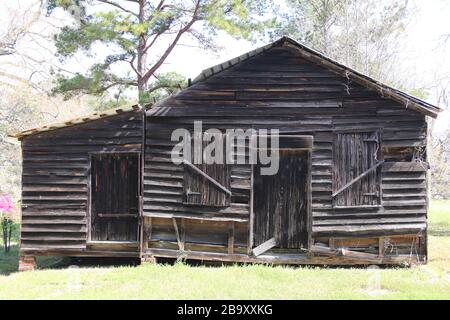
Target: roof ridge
(312,54)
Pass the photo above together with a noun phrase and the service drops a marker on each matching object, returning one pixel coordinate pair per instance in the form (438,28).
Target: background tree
(142,34)
(24,77)
(363,34)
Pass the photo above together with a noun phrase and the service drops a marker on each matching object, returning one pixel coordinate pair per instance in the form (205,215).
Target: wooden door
(114,197)
(281,202)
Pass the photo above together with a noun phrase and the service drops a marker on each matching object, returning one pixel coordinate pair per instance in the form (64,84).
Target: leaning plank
(361,255)
(220,186)
(326,251)
(269,244)
(177,233)
(362,175)
(322,250)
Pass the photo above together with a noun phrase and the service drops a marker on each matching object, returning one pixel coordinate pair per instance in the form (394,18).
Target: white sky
(426,55)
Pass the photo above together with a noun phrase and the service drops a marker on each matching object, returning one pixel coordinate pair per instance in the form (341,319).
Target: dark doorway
(114,197)
(281,202)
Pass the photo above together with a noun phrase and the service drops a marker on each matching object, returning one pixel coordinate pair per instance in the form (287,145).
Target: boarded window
(356,169)
(207,184)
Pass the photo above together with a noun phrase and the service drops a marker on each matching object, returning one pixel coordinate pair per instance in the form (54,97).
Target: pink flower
(6,203)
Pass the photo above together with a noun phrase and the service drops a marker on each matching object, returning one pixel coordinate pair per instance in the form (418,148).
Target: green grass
(180,281)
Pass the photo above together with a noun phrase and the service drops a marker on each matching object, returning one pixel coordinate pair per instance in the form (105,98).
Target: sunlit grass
(180,281)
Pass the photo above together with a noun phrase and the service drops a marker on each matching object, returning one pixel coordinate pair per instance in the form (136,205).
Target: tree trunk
(141,56)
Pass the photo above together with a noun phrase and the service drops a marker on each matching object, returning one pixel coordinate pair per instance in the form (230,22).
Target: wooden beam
(361,255)
(362,175)
(183,232)
(332,243)
(326,251)
(213,181)
(265,246)
(298,259)
(251,218)
(381,248)
(177,233)
(231,238)
(117,215)
(203,217)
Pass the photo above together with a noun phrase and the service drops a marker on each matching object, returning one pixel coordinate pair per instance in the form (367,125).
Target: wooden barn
(351,186)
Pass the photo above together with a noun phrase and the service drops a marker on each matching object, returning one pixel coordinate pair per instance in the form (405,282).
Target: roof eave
(76,121)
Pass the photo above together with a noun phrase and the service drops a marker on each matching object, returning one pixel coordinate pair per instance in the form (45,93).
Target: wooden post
(231,238)
(251,218)
(27,263)
(183,232)
(332,243)
(381,248)
(147,232)
(177,234)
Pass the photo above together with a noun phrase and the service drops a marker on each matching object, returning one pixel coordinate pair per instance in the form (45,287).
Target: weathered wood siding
(279,89)
(56,179)
(164,194)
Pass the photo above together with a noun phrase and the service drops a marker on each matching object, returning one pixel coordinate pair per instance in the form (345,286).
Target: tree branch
(161,60)
(151,43)
(119,6)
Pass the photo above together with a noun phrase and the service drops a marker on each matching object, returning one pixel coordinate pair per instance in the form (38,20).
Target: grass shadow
(9,261)
(439,228)
(438,232)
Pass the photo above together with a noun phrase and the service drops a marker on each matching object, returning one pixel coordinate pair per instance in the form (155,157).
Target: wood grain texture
(56,180)
(278,89)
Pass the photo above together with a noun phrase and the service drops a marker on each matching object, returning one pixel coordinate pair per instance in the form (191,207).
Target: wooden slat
(265,246)
(362,175)
(197,170)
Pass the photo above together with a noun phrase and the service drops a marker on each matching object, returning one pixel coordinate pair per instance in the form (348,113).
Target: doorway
(114,197)
(281,201)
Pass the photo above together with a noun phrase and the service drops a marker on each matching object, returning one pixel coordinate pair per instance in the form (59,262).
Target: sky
(425,53)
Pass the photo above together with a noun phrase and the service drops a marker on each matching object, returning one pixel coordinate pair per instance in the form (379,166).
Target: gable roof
(307,53)
(319,58)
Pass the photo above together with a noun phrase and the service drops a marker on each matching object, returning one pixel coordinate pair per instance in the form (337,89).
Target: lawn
(181,281)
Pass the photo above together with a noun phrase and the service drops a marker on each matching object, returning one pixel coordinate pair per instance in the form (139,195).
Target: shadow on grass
(439,230)
(9,261)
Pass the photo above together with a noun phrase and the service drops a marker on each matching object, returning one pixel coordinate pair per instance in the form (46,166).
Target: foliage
(439,155)
(141,36)
(6,206)
(361,34)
